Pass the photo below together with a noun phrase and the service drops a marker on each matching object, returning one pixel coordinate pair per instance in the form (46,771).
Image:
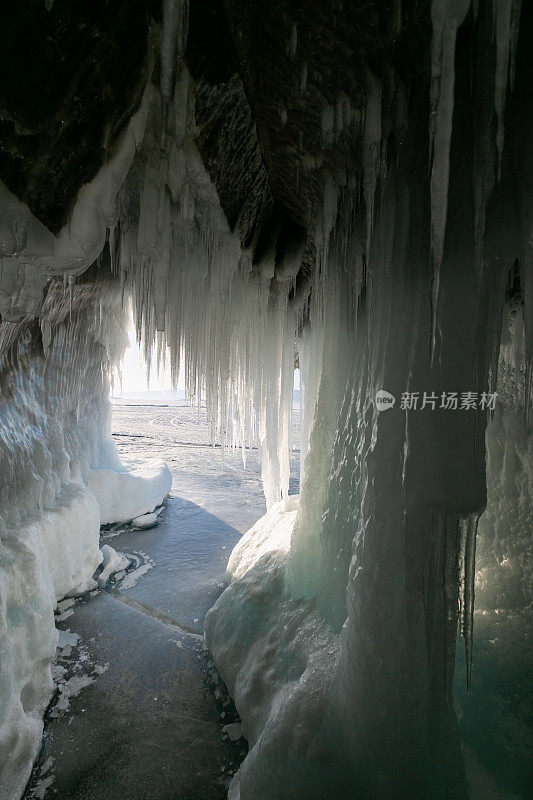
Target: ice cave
(192,607)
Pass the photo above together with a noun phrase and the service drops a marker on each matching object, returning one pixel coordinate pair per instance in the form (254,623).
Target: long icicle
(446,17)
(470,524)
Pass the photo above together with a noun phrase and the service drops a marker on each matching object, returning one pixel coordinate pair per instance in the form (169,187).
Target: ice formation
(126,495)
(504,577)
(54,436)
(148,520)
(112,562)
(337,633)
(31,254)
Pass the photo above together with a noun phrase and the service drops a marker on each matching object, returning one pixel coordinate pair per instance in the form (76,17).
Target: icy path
(149,727)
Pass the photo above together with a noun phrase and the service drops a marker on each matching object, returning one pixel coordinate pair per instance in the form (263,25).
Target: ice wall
(54,428)
(61,478)
(504,580)
(495,732)
(125,494)
(45,558)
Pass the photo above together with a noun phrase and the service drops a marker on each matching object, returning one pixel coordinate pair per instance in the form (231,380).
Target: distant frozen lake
(171,429)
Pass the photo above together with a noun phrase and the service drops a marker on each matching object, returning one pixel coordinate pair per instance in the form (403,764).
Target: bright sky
(134,372)
(134,377)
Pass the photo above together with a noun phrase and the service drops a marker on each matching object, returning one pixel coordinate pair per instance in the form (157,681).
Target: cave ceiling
(280,90)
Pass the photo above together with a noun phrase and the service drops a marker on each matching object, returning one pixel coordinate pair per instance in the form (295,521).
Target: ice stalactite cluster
(446,19)
(182,263)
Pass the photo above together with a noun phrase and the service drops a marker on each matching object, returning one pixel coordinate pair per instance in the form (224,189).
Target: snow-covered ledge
(123,496)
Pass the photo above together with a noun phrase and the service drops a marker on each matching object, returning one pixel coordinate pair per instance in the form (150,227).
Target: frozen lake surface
(178,433)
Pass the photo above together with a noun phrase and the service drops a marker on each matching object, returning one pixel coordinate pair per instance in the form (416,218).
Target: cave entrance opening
(153,420)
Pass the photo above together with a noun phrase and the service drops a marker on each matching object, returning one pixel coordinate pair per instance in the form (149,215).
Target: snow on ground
(147,520)
(142,563)
(72,671)
(113,562)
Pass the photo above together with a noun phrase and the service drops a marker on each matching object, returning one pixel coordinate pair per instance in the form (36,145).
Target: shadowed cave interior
(254,592)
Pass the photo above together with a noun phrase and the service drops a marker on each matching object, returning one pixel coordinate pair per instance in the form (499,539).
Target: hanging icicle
(506,15)
(468,532)
(446,17)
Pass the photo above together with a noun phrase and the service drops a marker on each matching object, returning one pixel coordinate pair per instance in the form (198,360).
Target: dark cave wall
(70,78)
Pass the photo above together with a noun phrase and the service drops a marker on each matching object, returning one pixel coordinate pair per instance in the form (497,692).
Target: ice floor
(149,723)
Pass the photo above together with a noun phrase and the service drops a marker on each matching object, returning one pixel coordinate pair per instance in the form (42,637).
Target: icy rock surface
(45,558)
(54,435)
(504,574)
(31,254)
(278,657)
(234,731)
